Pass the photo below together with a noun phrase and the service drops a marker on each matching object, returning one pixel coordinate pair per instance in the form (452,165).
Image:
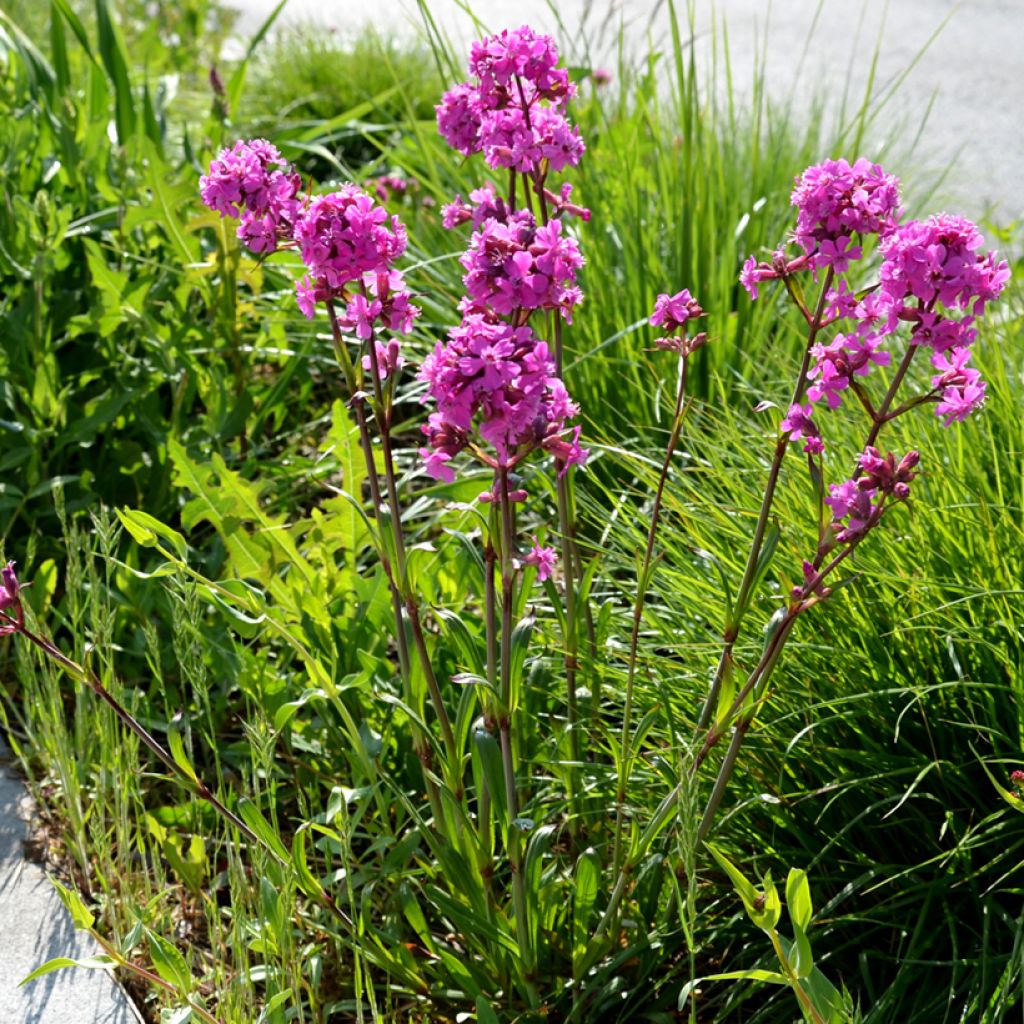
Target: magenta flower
(345,234)
(248,176)
(855,505)
(671,312)
(750,276)
(954,369)
(837,363)
(517,265)
(445,442)
(10,598)
(837,254)
(253,181)
(520,53)
(543,558)
(835,200)
(937,261)
(500,379)
(458,118)
(388,185)
(940,333)
(566,453)
(514,110)
(799,425)
(511,139)
(959,401)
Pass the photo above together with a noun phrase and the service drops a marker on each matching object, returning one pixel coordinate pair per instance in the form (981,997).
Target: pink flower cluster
(671,314)
(493,379)
(346,239)
(934,277)
(345,234)
(801,427)
(859,502)
(381,301)
(838,362)
(937,261)
(514,110)
(836,201)
(499,380)
(252,181)
(514,264)
(543,558)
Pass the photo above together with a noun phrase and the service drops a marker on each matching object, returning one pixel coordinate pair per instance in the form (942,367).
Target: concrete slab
(35,927)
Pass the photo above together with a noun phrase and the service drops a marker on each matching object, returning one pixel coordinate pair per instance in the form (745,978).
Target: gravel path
(36,928)
(973,73)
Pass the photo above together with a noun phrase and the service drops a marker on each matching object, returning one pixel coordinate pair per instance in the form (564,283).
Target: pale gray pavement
(974,69)
(35,927)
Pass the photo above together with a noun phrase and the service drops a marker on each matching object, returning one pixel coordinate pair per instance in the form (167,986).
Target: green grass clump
(307,76)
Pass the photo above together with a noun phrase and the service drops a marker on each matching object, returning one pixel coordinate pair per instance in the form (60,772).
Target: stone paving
(35,927)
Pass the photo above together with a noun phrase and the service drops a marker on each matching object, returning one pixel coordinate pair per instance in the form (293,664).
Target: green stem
(384,421)
(419,740)
(505,726)
(643,582)
(732,628)
(802,997)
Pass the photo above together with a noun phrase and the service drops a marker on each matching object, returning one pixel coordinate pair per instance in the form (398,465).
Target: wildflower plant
(522,871)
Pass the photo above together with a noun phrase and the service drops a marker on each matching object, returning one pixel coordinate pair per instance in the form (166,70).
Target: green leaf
(768,548)
(250,814)
(308,882)
(93,963)
(488,753)
(802,961)
(169,963)
(586,883)
(771,977)
(75,905)
(75,24)
(520,645)
(145,530)
(798,898)
(763,908)
(170,220)
(274,1003)
(484,1013)
(113,55)
(177,746)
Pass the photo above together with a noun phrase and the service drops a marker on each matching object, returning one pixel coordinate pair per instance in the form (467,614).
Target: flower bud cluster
(856,504)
